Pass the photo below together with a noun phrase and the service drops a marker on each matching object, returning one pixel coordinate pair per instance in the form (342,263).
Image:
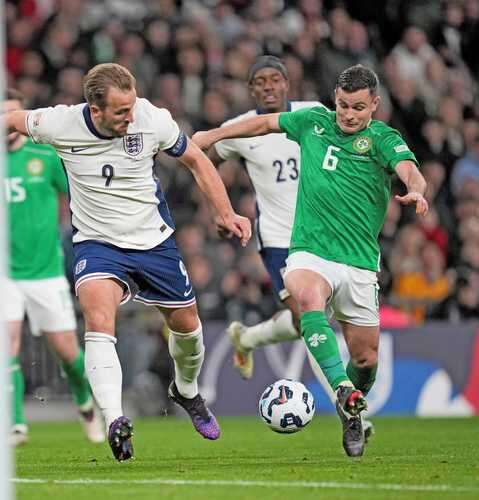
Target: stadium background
(192,57)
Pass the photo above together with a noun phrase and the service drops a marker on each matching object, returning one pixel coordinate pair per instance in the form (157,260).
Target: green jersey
(34,178)
(344,185)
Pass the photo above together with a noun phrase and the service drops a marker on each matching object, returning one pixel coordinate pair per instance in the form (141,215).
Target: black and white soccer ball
(286,406)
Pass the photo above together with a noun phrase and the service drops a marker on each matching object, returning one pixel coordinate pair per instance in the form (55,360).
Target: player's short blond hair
(101,78)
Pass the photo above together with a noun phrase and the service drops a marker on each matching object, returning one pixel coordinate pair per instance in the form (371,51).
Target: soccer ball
(286,406)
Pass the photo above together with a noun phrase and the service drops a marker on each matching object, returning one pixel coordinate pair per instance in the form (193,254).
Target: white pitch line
(267,484)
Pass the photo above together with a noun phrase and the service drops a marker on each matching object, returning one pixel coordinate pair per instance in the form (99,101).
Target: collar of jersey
(91,126)
(259,111)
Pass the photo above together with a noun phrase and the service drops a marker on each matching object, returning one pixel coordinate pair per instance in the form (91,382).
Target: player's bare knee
(367,359)
(183,319)
(309,299)
(99,320)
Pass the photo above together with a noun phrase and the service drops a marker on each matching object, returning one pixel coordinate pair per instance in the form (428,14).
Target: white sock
(104,373)
(276,329)
(188,352)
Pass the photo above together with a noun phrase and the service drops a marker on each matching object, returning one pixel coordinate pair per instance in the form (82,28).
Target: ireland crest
(133,144)
(362,144)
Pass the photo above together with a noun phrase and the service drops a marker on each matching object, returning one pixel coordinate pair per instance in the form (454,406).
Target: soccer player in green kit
(37,285)
(347,162)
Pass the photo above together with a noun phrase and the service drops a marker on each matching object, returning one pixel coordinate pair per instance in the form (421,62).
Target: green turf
(404,451)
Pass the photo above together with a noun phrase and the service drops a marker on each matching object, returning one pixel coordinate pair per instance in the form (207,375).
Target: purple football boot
(203,420)
(119,437)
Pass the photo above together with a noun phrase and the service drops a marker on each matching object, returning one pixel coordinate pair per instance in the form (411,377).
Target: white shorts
(47,303)
(355,291)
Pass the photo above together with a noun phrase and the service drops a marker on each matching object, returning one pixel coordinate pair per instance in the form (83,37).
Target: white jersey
(114,196)
(273,164)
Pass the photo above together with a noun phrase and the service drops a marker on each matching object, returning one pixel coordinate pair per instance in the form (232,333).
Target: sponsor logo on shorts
(316,339)
(80,266)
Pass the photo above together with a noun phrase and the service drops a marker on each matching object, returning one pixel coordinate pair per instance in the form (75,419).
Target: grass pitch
(408,458)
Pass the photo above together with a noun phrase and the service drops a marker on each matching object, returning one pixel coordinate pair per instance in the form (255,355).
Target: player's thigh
(99,300)
(96,262)
(49,305)
(356,307)
(101,274)
(13,300)
(309,281)
(362,342)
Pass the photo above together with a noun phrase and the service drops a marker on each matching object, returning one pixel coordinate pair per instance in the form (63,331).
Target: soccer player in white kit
(122,232)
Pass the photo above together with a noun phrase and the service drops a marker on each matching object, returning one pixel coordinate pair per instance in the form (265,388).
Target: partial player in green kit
(36,283)
(347,162)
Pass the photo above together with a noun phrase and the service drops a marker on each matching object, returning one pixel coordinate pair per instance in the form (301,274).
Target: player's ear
(376,102)
(94,110)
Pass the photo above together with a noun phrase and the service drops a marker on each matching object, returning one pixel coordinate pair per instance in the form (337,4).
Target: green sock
(18,384)
(77,380)
(362,378)
(322,344)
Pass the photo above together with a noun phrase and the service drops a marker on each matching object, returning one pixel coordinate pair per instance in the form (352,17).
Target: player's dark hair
(267,62)
(15,95)
(101,78)
(357,78)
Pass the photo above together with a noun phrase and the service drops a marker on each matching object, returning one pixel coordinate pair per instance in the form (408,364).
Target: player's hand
(422,206)
(203,140)
(236,225)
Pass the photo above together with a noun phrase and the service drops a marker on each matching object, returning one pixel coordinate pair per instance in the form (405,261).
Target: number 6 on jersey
(330,161)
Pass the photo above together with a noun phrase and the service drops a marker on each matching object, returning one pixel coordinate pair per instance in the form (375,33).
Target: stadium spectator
(467,167)
(423,293)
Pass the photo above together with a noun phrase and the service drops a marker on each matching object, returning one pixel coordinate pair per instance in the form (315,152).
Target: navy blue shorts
(274,259)
(158,276)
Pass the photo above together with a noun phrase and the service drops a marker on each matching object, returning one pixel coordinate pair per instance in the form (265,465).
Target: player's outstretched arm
(210,183)
(251,127)
(415,184)
(15,121)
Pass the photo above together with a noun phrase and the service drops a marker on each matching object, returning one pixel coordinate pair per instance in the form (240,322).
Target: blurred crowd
(192,57)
